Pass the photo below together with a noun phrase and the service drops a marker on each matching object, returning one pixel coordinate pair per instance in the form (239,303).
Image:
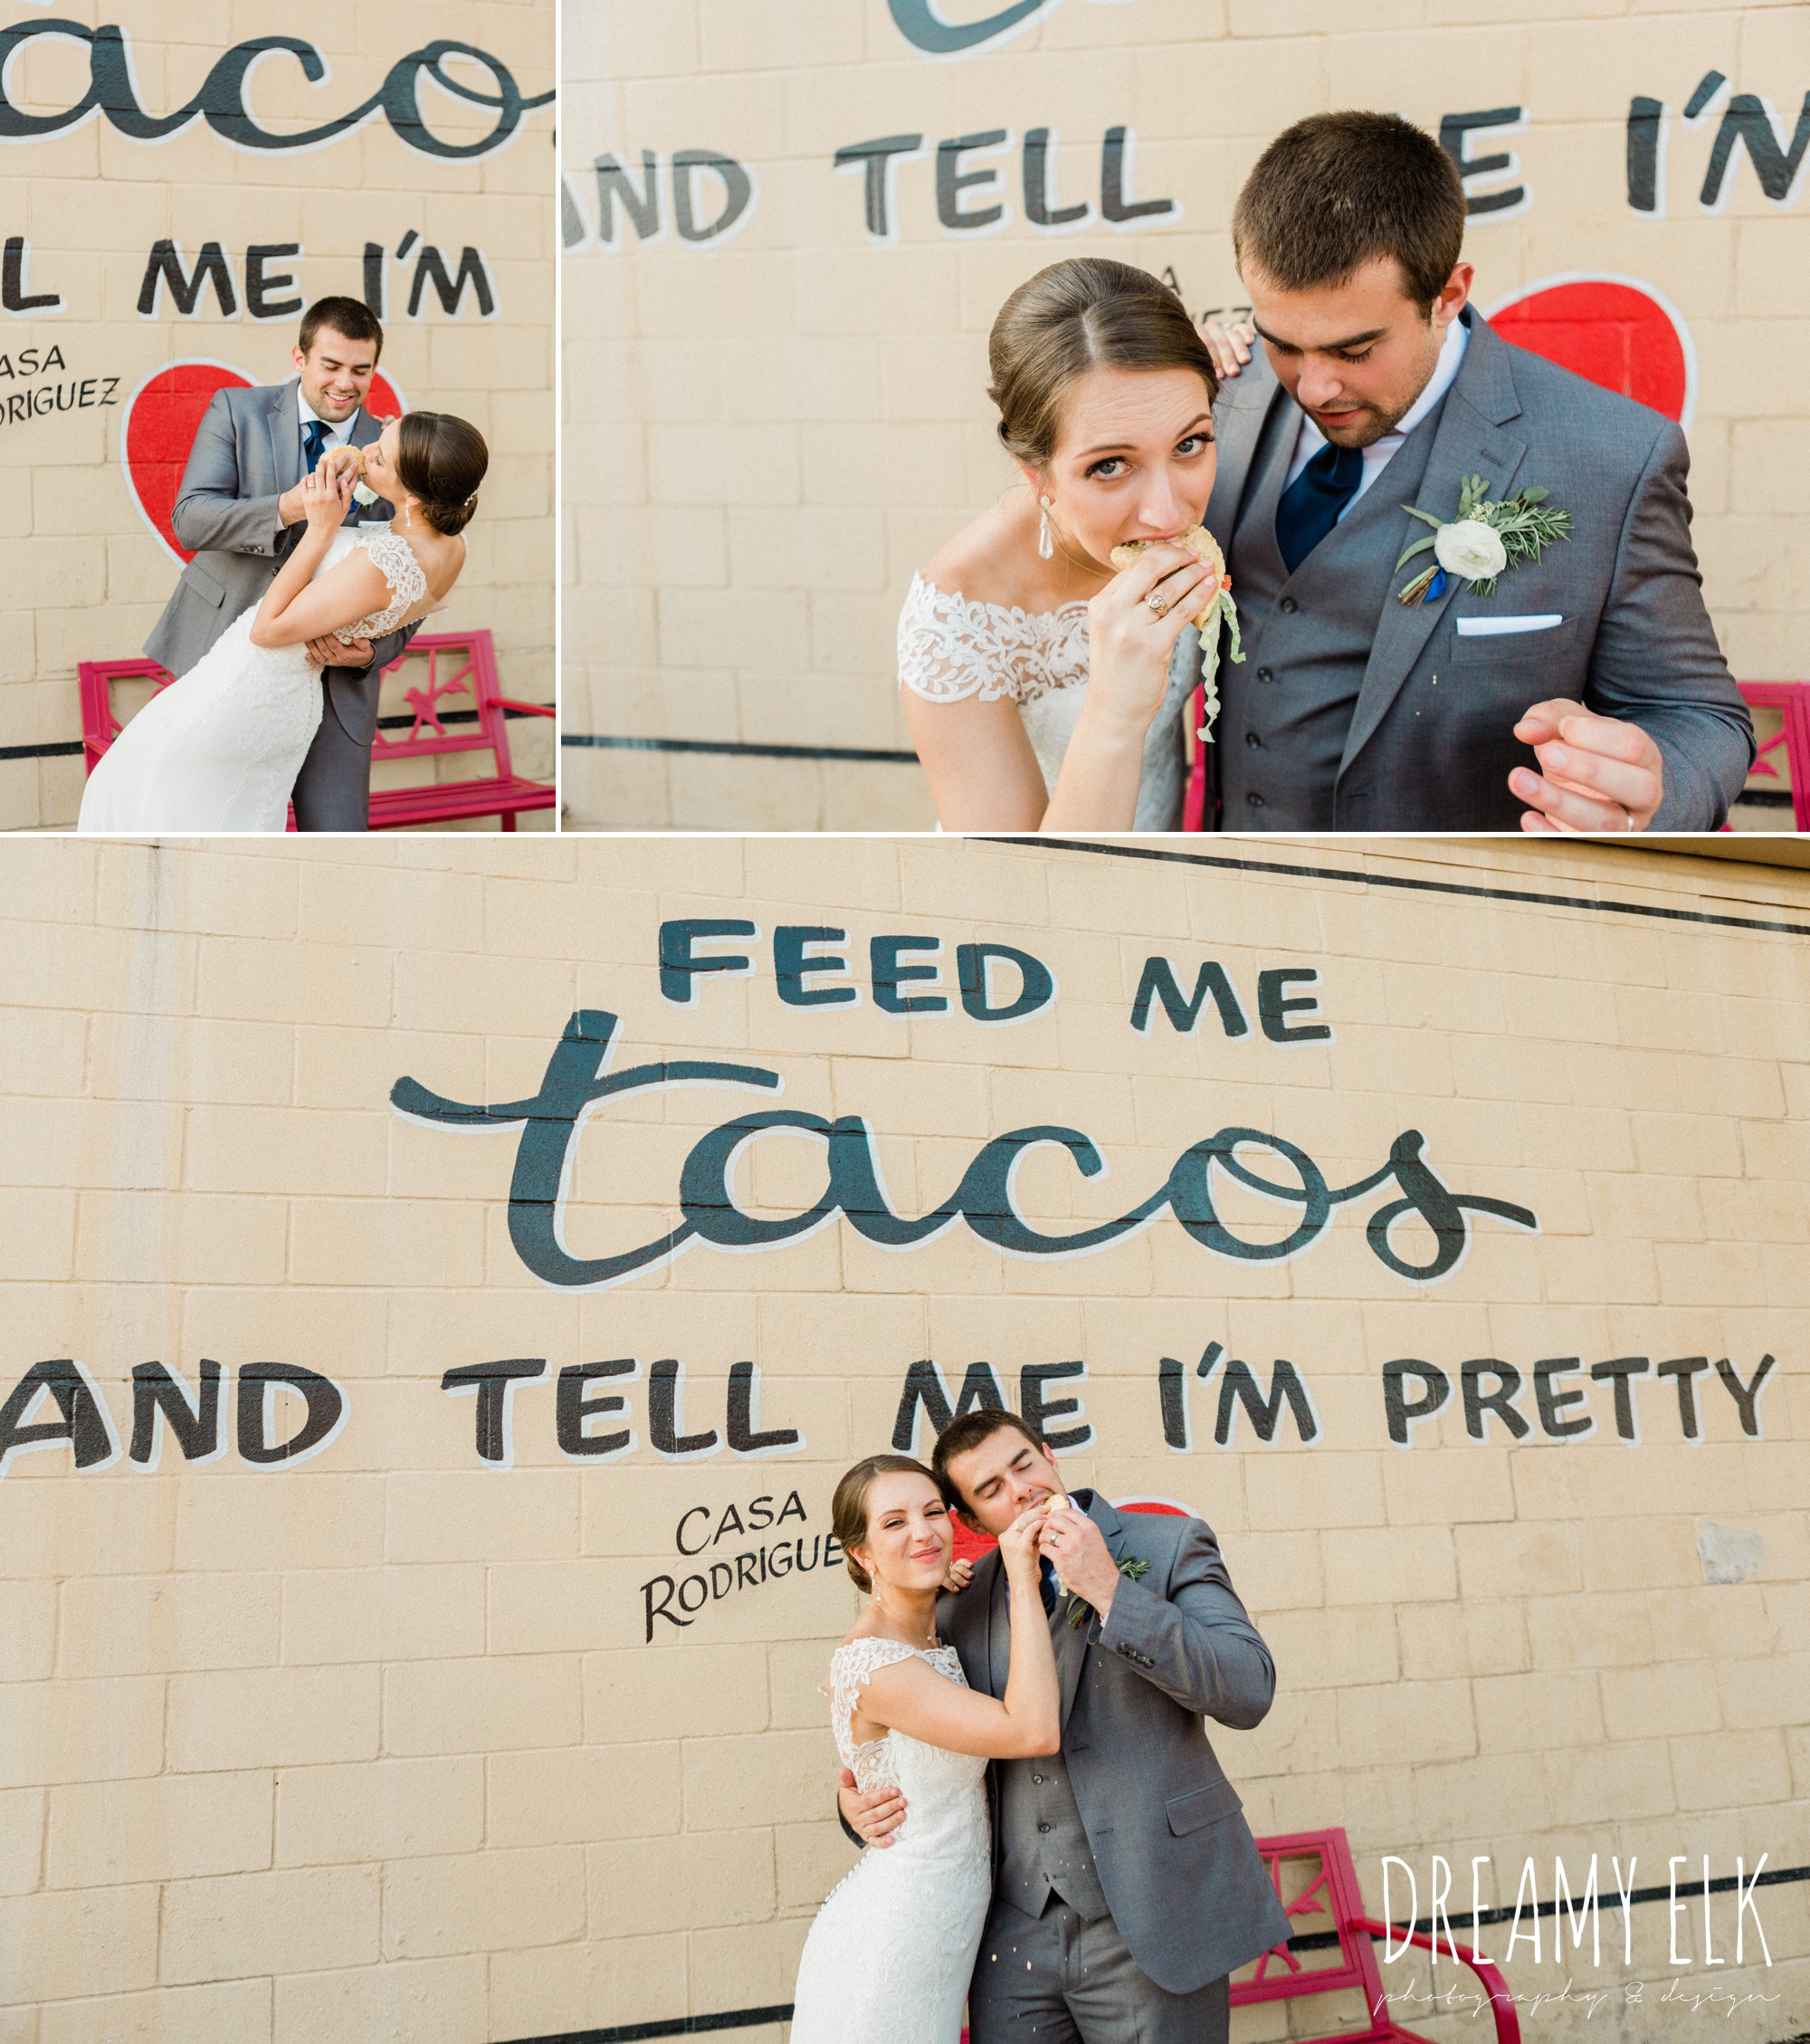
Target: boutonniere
(1130,1567)
(1484,542)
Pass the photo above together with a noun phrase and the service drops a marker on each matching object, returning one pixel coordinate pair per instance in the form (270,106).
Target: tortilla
(1199,542)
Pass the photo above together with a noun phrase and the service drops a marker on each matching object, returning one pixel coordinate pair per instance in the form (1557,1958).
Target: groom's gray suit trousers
(1062,1980)
(333,789)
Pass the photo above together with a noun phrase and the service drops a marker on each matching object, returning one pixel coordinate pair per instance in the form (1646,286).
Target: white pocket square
(1493,627)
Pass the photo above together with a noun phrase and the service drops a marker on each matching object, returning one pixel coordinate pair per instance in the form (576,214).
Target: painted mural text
(270,1430)
(170,282)
(589,1400)
(577,1080)
(1491,1389)
(284,1414)
(39,401)
(976,179)
(678,1598)
(222,101)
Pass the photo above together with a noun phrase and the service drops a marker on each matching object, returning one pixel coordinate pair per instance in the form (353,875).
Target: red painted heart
(162,417)
(1617,331)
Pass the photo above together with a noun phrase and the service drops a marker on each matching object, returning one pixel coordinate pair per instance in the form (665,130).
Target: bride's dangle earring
(1046,544)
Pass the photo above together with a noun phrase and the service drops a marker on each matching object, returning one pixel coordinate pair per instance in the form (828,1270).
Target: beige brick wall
(374,1746)
(83,574)
(765,435)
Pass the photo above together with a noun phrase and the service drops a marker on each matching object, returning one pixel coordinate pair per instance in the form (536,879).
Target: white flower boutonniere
(1484,542)
(363,493)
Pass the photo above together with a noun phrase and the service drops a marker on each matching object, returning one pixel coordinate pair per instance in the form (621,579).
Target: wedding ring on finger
(1158,604)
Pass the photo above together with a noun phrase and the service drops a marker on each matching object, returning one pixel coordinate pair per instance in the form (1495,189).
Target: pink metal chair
(459,663)
(1792,700)
(1331,1893)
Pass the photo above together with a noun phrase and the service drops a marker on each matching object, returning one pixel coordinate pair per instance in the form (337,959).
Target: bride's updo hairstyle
(1087,314)
(848,1508)
(442,460)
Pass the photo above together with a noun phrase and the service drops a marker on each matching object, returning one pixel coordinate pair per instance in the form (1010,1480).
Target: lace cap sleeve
(852,1667)
(951,647)
(395,560)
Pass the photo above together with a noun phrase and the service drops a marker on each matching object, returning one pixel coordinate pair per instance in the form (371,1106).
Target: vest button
(1042,1827)
(1255,799)
(1263,675)
(1036,1777)
(1252,741)
(1290,605)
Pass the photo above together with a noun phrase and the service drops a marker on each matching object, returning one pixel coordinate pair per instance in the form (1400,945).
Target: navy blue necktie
(1312,503)
(314,438)
(1046,1583)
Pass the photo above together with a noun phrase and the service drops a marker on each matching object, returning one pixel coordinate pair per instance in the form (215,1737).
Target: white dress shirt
(1377,455)
(337,435)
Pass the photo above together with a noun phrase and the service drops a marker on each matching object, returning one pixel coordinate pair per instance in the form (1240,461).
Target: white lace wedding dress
(951,647)
(220,748)
(890,1955)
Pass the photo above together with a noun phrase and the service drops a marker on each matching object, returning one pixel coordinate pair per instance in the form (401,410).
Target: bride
(220,748)
(1043,688)
(889,1956)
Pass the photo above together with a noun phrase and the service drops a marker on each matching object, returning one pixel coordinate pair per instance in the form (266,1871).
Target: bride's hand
(1129,640)
(1228,342)
(1018,1549)
(325,497)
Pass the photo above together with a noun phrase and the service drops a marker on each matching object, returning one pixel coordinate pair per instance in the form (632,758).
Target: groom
(1587,691)
(240,508)
(1126,1886)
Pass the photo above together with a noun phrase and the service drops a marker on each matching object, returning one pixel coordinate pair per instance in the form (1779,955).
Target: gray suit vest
(1286,712)
(1042,1842)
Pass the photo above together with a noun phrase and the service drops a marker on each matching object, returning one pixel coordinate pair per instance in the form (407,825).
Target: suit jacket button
(1252,741)
(1255,799)
(1290,605)
(1265,674)
(1042,1827)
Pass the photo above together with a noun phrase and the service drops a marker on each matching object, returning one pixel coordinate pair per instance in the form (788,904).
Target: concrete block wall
(768,432)
(375,1743)
(83,574)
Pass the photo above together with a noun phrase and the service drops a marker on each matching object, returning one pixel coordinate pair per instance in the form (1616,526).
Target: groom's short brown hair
(1338,190)
(348,316)
(965,1433)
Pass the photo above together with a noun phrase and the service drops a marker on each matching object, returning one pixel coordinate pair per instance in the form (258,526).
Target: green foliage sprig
(1132,1568)
(1525,524)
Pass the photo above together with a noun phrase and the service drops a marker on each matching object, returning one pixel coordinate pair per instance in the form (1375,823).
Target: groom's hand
(331,652)
(1597,773)
(874,1817)
(1078,1550)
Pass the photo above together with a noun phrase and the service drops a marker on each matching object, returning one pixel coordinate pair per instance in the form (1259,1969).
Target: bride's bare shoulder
(980,561)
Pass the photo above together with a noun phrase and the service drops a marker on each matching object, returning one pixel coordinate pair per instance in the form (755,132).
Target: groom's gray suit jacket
(1181,1874)
(247,452)
(1353,712)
